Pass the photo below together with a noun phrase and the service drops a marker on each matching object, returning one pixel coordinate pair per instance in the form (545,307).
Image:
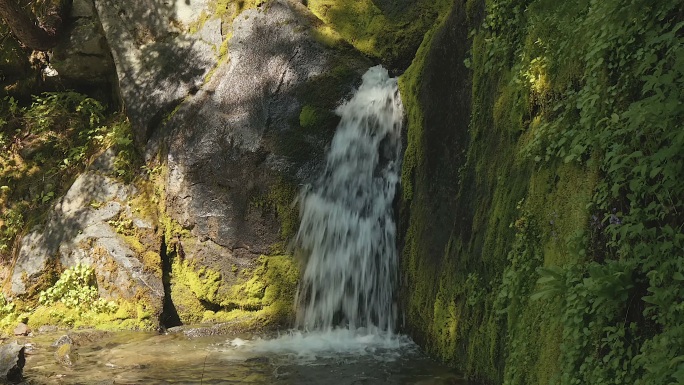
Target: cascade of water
(347,228)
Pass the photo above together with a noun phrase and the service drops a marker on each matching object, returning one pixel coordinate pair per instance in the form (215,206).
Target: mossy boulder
(255,296)
(230,178)
(92,225)
(388,31)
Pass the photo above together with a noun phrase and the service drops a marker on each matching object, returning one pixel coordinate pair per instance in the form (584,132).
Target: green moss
(152,262)
(308,117)
(386,32)
(228,10)
(409,88)
(263,298)
(197,25)
(203,282)
(129,316)
(419,299)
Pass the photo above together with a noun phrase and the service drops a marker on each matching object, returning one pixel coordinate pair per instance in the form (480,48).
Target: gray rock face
(82,229)
(83,55)
(12,362)
(225,143)
(229,148)
(157,65)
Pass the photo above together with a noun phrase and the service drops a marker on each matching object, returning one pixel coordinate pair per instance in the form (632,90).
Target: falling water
(347,227)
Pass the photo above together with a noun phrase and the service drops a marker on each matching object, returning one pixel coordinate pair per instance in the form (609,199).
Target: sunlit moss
(387,32)
(264,297)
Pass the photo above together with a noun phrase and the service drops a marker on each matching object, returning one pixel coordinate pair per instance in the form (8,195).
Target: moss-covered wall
(540,244)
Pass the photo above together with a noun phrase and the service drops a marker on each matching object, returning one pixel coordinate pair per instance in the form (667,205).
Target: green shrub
(77,288)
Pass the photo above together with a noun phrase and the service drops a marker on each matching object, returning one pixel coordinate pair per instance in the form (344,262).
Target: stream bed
(183,357)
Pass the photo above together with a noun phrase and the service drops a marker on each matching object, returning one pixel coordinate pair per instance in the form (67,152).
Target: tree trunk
(26,28)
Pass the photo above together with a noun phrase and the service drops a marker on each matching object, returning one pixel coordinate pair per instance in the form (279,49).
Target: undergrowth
(44,146)
(577,108)
(604,79)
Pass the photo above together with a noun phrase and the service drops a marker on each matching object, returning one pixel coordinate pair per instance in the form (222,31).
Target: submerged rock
(63,340)
(12,361)
(66,355)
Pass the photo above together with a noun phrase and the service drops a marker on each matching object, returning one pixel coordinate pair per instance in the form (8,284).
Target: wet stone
(22,330)
(66,355)
(65,339)
(12,362)
(47,329)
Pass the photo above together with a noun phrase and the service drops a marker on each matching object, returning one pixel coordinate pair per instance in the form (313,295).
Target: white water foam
(306,347)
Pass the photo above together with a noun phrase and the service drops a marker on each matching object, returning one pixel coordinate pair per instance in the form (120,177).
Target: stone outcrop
(233,133)
(88,225)
(238,150)
(12,362)
(82,56)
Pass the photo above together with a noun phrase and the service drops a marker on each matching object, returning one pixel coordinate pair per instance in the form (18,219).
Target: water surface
(334,357)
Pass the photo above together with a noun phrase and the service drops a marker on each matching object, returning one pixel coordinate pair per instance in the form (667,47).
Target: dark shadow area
(393,8)
(444,97)
(169,315)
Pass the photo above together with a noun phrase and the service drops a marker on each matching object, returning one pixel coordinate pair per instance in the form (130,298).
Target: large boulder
(235,114)
(157,63)
(236,134)
(239,149)
(92,224)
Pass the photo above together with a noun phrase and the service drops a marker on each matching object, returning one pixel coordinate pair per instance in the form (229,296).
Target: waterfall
(347,228)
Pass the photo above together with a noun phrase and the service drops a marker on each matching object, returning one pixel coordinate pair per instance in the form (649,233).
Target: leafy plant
(77,288)
(602,82)
(120,137)
(48,143)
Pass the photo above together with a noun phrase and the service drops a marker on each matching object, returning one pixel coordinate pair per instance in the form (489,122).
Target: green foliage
(120,137)
(604,79)
(77,288)
(6,307)
(53,111)
(8,316)
(44,146)
(12,224)
(523,260)
(576,106)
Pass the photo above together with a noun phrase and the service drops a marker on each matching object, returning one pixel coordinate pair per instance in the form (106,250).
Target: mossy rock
(386,31)
(262,299)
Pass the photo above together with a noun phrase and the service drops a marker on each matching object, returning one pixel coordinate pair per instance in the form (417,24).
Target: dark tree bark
(26,28)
